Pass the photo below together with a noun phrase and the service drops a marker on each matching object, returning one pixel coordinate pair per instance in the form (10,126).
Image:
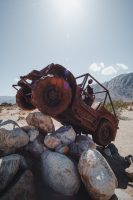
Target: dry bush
(130,108)
(5,104)
(119,107)
(0,109)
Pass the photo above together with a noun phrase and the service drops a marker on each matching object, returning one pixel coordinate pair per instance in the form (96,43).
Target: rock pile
(65,161)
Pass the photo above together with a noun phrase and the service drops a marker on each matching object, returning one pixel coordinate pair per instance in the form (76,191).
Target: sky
(94,36)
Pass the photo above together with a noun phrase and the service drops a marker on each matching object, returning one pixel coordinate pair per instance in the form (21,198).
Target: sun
(67,9)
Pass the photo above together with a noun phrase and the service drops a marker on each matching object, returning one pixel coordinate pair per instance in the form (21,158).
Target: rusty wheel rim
(104,133)
(51,95)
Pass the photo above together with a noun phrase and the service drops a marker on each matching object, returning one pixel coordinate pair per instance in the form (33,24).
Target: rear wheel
(51,95)
(104,133)
(23,99)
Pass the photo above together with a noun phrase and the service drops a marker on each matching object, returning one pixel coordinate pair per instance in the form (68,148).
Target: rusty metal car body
(56,92)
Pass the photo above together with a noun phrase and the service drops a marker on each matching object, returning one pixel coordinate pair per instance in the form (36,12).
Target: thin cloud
(125,67)
(96,67)
(108,70)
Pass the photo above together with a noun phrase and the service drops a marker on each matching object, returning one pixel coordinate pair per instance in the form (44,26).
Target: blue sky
(93,36)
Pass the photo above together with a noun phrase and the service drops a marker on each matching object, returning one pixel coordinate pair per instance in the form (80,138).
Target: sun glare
(67,9)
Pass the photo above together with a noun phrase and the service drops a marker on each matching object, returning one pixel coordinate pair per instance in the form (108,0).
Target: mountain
(7,99)
(120,87)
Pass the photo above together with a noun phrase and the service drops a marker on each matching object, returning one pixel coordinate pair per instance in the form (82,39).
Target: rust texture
(56,92)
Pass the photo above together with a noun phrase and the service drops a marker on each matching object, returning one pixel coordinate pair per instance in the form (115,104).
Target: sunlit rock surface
(60,173)
(97,175)
(41,122)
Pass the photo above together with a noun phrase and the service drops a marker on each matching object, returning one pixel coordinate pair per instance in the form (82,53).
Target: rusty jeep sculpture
(55,92)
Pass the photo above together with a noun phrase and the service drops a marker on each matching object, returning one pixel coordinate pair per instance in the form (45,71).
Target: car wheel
(51,95)
(104,133)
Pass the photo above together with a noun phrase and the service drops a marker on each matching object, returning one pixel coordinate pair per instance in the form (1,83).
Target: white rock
(97,175)
(9,166)
(41,122)
(60,173)
(13,139)
(51,142)
(66,134)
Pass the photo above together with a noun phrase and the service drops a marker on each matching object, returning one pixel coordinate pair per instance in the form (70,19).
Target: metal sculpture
(55,92)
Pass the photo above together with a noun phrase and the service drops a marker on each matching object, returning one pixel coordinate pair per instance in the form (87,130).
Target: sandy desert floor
(123,141)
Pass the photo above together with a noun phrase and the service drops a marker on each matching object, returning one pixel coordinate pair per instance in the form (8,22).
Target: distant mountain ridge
(120,87)
(7,99)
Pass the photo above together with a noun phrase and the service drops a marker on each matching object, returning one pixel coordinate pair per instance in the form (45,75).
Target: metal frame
(86,76)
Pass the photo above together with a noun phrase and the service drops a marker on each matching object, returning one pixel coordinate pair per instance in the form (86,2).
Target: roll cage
(107,94)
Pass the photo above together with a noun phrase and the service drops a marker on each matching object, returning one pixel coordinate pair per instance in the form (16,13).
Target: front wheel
(104,133)
(51,95)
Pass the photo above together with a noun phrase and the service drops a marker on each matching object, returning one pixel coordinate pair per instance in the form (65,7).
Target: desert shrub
(0,109)
(5,104)
(130,108)
(119,106)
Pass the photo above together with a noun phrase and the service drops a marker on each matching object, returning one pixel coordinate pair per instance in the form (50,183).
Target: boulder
(33,134)
(63,149)
(36,148)
(40,121)
(51,142)
(22,190)
(13,139)
(97,176)
(66,134)
(82,143)
(9,166)
(7,152)
(60,173)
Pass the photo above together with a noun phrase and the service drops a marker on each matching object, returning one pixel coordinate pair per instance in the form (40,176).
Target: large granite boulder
(40,121)
(23,189)
(9,166)
(65,135)
(60,173)
(97,176)
(13,139)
